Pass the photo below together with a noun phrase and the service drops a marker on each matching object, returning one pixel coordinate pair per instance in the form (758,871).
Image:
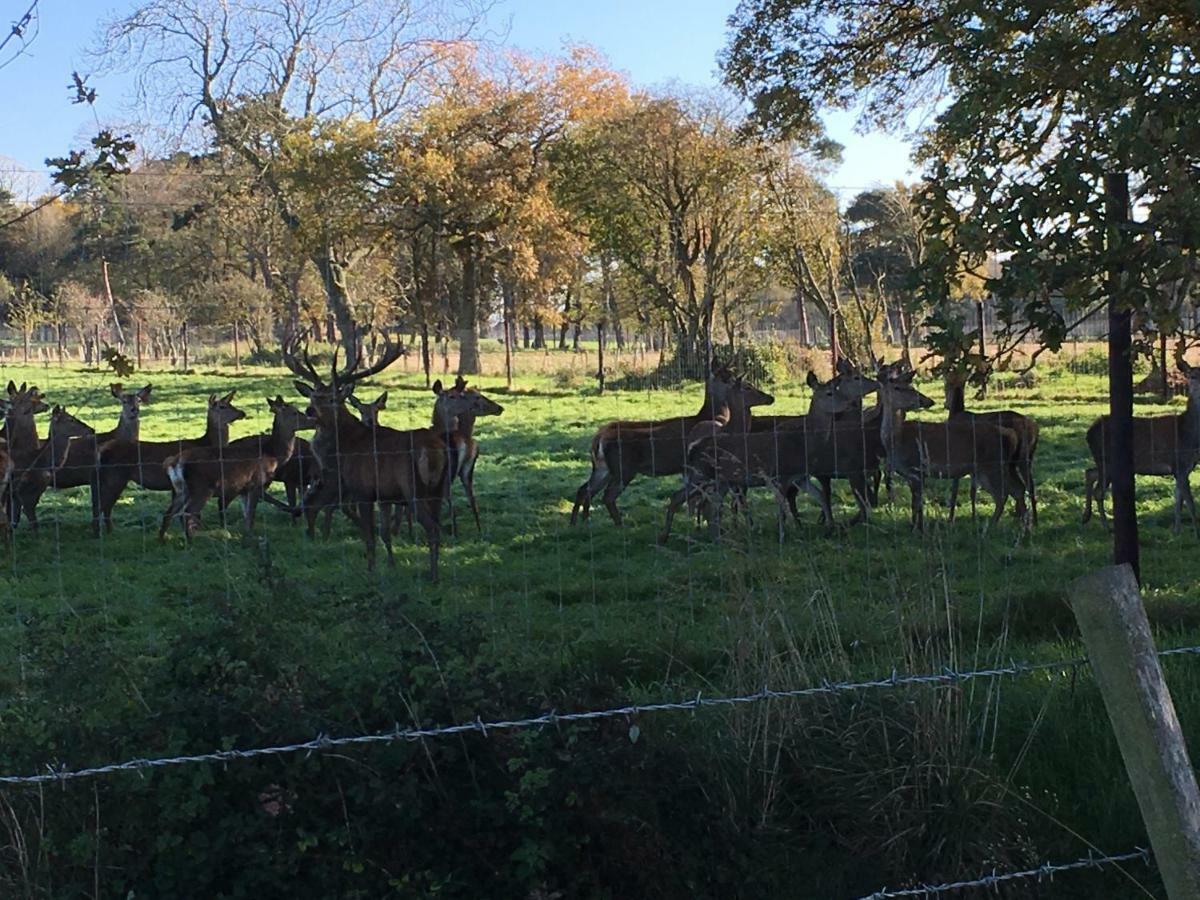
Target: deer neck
(954,399)
(445,424)
(1190,419)
(283,440)
(890,422)
(60,445)
(737,417)
(22,436)
(127,428)
(216,432)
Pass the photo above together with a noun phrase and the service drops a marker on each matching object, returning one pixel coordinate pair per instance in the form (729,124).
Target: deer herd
(354,464)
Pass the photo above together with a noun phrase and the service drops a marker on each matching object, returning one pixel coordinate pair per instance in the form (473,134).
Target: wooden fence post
(237,348)
(183,334)
(137,342)
(1112,619)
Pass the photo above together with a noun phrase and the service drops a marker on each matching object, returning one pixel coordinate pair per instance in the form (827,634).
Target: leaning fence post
(1112,619)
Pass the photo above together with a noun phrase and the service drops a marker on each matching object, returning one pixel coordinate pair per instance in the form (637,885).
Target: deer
(1162,445)
(81,465)
(620,454)
(319,496)
(22,444)
(920,450)
(1025,428)
(454,413)
(123,461)
(713,408)
(242,468)
(65,431)
(370,466)
(724,461)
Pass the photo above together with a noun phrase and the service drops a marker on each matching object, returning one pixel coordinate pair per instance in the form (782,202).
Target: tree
(1053,120)
(296,90)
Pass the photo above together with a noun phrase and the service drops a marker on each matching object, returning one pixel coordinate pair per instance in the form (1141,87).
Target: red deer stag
(370,466)
(1025,428)
(454,413)
(920,450)
(142,461)
(1162,445)
(243,468)
(81,465)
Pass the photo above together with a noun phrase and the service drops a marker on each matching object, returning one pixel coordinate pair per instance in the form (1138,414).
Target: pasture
(119,647)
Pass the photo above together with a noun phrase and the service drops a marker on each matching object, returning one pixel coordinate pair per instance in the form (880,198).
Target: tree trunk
(539,333)
(506,289)
(1120,384)
(835,348)
(425,351)
(333,277)
(802,312)
(468,310)
(525,337)
(1162,364)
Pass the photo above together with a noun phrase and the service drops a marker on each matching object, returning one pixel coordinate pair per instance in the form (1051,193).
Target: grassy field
(121,647)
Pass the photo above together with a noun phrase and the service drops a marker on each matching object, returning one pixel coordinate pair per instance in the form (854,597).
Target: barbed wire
(1043,872)
(397,734)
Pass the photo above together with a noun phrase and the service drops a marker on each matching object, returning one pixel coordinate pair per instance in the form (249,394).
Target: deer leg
(386,512)
(826,500)
(953,497)
(818,494)
(1180,480)
(174,508)
(1101,490)
(1089,486)
(860,488)
(426,512)
(677,500)
(1187,495)
(366,527)
(467,477)
(249,504)
(916,488)
(792,493)
(611,492)
(589,489)
(974,499)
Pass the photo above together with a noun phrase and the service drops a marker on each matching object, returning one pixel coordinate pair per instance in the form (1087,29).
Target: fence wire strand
(699,702)
(1044,872)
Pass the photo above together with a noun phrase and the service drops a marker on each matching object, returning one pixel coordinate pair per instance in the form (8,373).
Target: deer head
(64,426)
(131,402)
(851,382)
(899,395)
(25,401)
(369,412)
(287,417)
(326,398)
(461,400)
(221,410)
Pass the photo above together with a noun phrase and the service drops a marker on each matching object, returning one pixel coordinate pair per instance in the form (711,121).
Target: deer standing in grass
(22,444)
(454,413)
(242,468)
(369,466)
(621,452)
(1162,445)
(1025,428)
(920,450)
(39,473)
(123,461)
(728,461)
(81,467)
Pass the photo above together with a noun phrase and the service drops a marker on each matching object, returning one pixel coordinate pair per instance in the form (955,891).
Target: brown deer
(22,444)
(920,450)
(37,473)
(142,461)
(454,413)
(81,465)
(1162,445)
(242,468)
(621,454)
(370,466)
(727,461)
(714,408)
(322,497)
(1025,428)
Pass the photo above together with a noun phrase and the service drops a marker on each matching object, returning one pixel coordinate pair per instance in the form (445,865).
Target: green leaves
(121,365)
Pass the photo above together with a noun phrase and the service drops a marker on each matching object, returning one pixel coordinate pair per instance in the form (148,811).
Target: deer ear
(144,394)
(844,367)
(437,386)
(228,398)
(116,390)
(812,380)
(12,389)
(305,389)
(212,399)
(381,403)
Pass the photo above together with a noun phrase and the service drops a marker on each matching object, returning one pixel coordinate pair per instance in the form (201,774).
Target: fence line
(324,742)
(1044,872)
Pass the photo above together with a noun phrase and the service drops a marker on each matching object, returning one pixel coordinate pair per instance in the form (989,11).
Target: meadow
(119,647)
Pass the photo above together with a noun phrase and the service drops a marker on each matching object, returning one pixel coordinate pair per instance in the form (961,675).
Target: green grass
(594,613)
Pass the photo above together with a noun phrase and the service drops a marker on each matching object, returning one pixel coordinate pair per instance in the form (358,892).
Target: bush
(771,361)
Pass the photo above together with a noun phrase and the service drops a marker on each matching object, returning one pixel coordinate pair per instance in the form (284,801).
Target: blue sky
(653,41)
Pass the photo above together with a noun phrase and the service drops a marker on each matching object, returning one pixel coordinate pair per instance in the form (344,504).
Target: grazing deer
(920,450)
(141,462)
(81,465)
(242,468)
(370,466)
(1025,428)
(714,408)
(22,444)
(724,461)
(1162,445)
(454,413)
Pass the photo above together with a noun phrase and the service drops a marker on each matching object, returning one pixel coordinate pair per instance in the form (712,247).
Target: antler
(353,375)
(303,370)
